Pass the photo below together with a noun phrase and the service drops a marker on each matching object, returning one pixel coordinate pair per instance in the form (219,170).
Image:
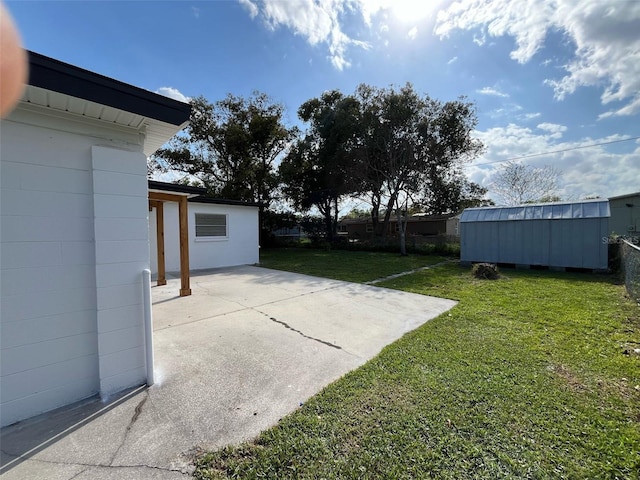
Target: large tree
(451,192)
(317,171)
(407,141)
(516,183)
(231,146)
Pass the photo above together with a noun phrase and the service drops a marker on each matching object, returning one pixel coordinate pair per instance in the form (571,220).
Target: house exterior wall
(240,247)
(625,220)
(63,287)
(121,226)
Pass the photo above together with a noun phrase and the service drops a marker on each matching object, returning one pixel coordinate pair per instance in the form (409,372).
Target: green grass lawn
(530,376)
(343,265)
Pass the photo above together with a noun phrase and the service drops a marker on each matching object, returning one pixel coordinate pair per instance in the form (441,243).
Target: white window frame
(210,238)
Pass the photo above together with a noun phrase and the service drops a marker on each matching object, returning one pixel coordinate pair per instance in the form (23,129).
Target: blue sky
(547,75)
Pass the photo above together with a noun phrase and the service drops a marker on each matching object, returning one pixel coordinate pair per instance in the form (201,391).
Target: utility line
(556,151)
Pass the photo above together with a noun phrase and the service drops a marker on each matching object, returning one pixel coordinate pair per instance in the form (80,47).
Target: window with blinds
(211,225)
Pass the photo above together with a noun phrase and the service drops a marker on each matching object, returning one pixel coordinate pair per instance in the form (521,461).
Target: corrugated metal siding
(555,235)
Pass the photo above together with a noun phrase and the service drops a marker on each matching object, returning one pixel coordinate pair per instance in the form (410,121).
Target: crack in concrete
(289,327)
(99,465)
(79,473)
(136,413)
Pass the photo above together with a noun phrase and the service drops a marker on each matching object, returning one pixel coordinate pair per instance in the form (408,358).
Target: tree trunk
(387,215)
(402,226)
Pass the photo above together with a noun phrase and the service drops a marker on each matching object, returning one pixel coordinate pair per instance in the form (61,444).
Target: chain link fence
(630,263)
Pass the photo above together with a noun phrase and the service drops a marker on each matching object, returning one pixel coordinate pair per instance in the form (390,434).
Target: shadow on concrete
(22,440)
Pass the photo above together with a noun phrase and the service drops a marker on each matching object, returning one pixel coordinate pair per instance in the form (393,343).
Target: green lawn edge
(533,375)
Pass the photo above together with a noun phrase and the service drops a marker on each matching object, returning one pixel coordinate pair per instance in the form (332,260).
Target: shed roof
(628,195)
(597,208)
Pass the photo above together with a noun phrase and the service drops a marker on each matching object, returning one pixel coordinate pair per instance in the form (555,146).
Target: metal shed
(568,234)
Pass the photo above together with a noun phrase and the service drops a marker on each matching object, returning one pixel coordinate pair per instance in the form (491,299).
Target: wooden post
(185,287)
(162,277)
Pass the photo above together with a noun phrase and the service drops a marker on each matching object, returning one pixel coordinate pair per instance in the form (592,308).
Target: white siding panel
(113,364)
(120,192)
(120,273)
(120,340)
(115,383)
(27,357)
(30,254)
(121,251)
(117,296)
(37,330)
(48,400)
(47,204)
(109,228)
(49,377)
(115,206)
(54,179)
(24,306)
(112,183)
(119,161)
(119,318)
(44,229)
(47,279)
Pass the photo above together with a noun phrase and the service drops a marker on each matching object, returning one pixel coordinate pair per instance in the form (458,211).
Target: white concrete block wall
(240,247)
(121,254)
(48,331)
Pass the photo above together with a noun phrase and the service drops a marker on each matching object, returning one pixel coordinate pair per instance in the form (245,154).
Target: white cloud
(605,34)
(453,60)
(321,22)
(530,116)
(250,7)
(173,93)
(492,91)
(584,171)
(554,130)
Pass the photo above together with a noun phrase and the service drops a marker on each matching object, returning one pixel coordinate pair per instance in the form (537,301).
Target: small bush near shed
(485,271)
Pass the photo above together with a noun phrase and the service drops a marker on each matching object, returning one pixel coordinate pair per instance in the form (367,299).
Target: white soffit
(157,133)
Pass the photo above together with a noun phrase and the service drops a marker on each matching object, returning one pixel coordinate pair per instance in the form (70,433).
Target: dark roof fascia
(223,201)
(173,187)
(57,76)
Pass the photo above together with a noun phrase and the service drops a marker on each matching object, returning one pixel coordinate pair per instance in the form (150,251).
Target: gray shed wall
(576,243)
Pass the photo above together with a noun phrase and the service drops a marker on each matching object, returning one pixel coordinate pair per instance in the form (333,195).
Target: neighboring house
(75,235)
(419,224)
(222,233)
(292,233)
(561,235)
(625,214)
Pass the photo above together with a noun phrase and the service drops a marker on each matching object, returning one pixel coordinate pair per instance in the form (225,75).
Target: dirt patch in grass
(572,381)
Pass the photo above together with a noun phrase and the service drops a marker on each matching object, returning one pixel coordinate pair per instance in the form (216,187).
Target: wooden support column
(159,206)
(183,221)
(185,287)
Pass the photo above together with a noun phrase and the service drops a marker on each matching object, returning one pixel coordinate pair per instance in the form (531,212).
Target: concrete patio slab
(248,347)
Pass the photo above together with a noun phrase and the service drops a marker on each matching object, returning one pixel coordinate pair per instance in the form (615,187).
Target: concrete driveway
(248,347)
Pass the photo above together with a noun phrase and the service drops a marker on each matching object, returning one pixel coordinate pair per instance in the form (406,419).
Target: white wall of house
(239,247)
(73,244)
